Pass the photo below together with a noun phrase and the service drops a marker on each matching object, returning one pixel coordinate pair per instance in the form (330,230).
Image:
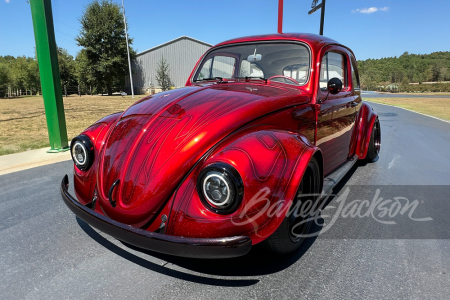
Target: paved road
(409,95)
(47,253)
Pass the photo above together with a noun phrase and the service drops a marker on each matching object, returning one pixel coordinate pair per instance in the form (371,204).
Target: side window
(205,72)
(333,66)
(223,66)
(324,73)
(355,77)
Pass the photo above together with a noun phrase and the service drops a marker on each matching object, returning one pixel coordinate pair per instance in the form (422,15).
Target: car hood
(155,142)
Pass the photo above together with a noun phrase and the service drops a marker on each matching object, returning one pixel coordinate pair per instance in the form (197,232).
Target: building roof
(184,37)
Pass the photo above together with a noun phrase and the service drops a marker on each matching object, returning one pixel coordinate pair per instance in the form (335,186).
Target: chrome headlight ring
(82,151)
(220,188)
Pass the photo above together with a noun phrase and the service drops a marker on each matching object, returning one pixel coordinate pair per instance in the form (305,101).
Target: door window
(355,77)
(333,66)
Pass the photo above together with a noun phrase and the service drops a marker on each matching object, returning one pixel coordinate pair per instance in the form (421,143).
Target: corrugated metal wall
(182,54)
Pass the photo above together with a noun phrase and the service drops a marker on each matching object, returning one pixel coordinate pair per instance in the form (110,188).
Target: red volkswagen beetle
(211,169)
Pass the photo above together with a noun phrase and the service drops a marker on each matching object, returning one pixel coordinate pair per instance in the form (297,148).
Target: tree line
(21,73)
(398,72)
(101,65)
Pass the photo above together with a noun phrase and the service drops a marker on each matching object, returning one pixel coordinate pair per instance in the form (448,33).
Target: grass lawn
(416,94)
(436,107)
(23,125)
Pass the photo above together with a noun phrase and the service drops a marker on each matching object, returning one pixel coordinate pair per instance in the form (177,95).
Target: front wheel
(375,142)
(291,233)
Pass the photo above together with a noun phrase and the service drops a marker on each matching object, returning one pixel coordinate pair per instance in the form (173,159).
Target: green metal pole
(44,34)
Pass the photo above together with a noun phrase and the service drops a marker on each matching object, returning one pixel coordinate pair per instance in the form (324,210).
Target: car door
(337,116)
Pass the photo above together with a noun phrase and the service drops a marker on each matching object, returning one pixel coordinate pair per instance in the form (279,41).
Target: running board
(333,178)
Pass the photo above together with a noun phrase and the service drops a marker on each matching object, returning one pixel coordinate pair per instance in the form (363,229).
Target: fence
(11,93)
(87,90)
(67,90)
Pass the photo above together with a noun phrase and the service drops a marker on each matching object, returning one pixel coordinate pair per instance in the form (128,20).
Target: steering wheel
(284,77)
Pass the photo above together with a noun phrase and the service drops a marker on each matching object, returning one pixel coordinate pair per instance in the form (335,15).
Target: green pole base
(59,150)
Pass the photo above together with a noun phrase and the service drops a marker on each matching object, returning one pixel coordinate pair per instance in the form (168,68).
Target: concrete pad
(30,159)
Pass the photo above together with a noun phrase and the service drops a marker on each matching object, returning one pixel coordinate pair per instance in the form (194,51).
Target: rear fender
(366,120)
(271,164)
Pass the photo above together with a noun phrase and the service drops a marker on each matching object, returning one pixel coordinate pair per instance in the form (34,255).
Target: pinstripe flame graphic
(156,141)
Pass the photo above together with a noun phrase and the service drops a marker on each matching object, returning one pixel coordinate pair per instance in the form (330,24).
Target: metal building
(182,54)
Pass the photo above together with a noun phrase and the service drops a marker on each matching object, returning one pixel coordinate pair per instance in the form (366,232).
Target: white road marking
(391,164)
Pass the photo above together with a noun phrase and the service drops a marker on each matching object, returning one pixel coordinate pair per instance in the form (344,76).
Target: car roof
(313,40)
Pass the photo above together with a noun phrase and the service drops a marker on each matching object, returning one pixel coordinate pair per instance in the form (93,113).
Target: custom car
(264,125)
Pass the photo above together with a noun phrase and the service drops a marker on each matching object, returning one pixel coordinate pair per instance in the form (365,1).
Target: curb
(30,159)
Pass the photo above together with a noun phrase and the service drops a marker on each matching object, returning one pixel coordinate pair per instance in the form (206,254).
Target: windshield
(262,60)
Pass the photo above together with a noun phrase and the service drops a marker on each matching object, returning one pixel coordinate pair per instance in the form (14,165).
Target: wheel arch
(266,158)
(365,122)
(319,158)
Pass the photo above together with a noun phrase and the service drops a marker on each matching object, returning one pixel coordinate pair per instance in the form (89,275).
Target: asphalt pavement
(47,253)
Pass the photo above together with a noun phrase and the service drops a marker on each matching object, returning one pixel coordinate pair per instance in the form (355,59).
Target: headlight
(82,152)
(220,188)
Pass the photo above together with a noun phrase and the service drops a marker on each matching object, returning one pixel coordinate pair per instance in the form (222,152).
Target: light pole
(128,50)
(47,56)
(280,16)
(315,7)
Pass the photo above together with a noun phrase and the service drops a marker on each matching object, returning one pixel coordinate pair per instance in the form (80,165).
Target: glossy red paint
(365,122)
(85,181)
(284,155)
(268,131)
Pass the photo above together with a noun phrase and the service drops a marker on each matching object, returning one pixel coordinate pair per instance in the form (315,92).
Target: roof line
(173,41)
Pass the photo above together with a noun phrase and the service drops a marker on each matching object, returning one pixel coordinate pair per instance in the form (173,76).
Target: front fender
(271,163)
(84,181)
(366,119)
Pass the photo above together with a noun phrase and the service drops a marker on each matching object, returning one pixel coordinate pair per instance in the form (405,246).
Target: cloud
(370,10)
(7,1)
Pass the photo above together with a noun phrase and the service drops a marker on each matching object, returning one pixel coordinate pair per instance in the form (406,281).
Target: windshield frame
(207,53)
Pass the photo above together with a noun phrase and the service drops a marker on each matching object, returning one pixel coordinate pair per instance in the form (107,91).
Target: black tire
(375,142)
(284,240)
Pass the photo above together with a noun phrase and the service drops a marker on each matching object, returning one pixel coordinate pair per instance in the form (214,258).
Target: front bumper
(173,245)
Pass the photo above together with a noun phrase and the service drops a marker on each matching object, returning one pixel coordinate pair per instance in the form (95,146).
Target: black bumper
(173,245)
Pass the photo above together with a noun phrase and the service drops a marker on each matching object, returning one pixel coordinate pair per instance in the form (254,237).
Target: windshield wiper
(212,78)
(247,78)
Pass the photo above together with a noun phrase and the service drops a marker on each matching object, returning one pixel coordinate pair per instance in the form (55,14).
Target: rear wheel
(375,142)
(291,233)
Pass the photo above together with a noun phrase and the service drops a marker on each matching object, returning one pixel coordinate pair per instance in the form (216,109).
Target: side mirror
(334,86)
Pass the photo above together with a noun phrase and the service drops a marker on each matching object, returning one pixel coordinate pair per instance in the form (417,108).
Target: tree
(102,36)
(375,73)
(24,73)
(33,78)
(4,79)
(66,67)
(162,75)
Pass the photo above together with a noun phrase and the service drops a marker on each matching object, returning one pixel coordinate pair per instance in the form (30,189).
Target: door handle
(353,104)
